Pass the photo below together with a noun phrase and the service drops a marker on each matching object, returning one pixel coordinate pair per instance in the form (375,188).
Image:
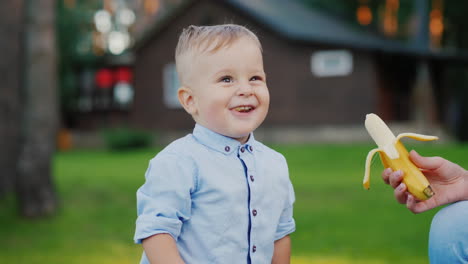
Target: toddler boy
(218,195)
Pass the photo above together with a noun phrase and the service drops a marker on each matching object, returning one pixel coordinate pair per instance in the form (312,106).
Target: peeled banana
(394,155)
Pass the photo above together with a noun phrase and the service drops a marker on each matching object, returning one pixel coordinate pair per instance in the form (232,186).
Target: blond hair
(195,40)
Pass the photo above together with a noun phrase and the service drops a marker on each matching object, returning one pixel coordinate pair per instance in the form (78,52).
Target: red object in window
(123,74)
(104,79)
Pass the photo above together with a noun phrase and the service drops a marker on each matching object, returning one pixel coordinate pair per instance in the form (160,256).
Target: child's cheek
(213,114)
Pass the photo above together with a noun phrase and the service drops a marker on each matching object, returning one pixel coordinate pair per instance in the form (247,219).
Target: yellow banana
(394,155)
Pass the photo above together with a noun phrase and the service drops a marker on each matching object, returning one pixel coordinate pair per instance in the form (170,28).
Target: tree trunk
(34,185)
(11,21)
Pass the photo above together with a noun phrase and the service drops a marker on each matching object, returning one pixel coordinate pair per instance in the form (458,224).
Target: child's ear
(187,100)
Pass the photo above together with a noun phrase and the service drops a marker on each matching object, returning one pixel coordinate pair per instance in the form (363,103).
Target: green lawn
(337,221)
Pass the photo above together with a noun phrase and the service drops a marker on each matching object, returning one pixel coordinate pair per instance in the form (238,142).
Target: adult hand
(448,180)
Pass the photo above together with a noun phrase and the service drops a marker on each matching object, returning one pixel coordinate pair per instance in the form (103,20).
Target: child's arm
(161,248)
(282,251)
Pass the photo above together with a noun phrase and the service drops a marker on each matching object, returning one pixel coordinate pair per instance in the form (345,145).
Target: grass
(337,221)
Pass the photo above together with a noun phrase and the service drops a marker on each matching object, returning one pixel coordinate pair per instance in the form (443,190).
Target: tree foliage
(454,17)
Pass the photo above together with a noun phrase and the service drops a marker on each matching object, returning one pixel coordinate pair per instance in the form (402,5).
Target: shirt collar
(220,142)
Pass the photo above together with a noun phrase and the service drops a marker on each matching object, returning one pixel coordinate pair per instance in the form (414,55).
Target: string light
(390,20)
(151,6)
(436,23)
(364,15)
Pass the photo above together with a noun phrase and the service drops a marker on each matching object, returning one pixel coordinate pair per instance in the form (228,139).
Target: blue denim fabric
(221,201)
(448,238)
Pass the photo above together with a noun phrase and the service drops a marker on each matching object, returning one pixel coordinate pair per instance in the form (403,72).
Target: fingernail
(388,171)
(401,187)
(399,173)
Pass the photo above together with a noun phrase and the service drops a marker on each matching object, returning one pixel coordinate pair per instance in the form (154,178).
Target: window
(331,63)
(170,86)
(105,89)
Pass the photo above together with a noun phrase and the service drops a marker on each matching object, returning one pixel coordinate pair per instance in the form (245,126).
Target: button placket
(249,161)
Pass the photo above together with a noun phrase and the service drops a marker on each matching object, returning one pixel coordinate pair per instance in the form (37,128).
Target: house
(322,73)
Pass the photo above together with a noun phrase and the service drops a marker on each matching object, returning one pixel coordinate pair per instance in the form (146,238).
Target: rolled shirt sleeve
(286,223)
(163,201)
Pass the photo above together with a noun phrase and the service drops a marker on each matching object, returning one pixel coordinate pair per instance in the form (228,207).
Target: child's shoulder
(182,146)
(176,152)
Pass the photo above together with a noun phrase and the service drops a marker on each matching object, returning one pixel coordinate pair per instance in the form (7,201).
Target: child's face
(229,90)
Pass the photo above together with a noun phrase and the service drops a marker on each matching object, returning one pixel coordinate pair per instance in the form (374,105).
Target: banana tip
(428,192)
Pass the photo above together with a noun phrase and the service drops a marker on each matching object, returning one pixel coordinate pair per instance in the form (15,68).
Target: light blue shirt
(221,201)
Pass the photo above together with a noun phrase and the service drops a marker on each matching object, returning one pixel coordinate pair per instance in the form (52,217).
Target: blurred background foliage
(125,138)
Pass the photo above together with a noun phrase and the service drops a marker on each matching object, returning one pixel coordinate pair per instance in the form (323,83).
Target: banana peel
(394,155)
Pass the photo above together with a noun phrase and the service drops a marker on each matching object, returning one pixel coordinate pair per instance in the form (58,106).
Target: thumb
(426,163)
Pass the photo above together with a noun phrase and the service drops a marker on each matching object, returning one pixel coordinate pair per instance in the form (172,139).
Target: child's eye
(256,78)
(226,79)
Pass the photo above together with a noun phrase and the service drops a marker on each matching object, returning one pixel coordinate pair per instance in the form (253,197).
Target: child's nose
(245,89)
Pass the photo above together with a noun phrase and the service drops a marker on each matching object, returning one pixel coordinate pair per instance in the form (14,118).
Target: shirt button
(250,147)
(254,249)
(227,148)
(252,178)
(254,212)
(242,149)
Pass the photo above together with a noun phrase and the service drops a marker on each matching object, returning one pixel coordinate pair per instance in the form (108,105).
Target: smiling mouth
(244,108)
